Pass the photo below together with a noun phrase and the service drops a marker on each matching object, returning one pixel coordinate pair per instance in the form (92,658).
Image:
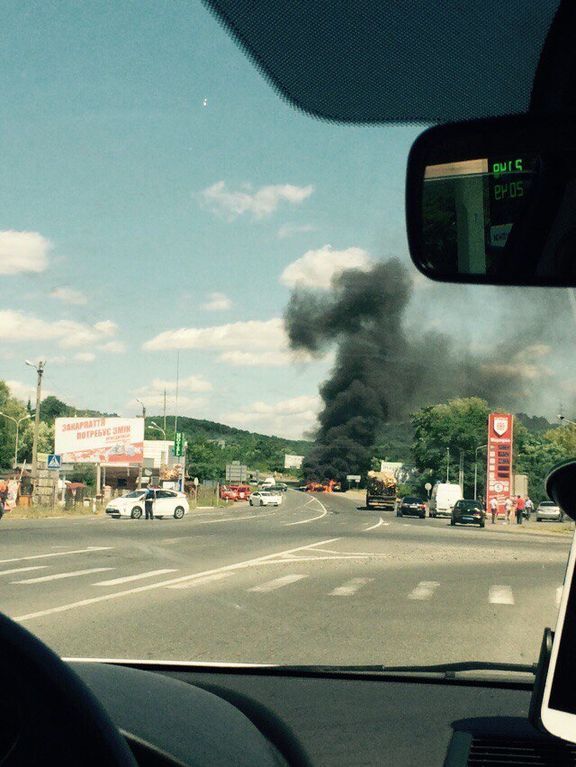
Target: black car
(412,505)
(468,512)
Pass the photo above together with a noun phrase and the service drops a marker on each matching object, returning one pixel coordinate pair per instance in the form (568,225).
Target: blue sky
(153,181)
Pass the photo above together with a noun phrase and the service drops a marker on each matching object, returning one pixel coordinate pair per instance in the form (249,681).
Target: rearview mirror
(494,201)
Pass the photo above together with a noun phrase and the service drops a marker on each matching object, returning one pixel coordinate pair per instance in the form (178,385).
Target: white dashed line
(500,595)
(129,578)
(200,581)
(373,527)
(14,570)
(313,519)
(183,579)
(277,583)
(89,550)
(424,590)
(350,587)
(61,576)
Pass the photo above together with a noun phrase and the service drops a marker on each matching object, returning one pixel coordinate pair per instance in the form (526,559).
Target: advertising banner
(119,441)
(499,468)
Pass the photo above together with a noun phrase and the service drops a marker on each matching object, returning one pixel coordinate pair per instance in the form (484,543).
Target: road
(315,581)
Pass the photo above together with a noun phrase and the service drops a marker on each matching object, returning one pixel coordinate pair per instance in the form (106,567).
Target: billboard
(499,466)
(293,461)
(118,441)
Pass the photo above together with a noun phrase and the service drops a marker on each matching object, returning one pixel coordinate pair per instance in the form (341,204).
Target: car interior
(495,79)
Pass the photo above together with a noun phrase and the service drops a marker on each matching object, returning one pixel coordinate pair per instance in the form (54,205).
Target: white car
(265,498)
(549,510)
(167,503)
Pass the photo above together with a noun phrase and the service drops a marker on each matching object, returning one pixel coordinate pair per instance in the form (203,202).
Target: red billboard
(499,463)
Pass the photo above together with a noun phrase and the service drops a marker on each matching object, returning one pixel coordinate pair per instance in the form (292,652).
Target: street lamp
(39,368)
(447,464)
(17,421)
(153,425)
(480,447)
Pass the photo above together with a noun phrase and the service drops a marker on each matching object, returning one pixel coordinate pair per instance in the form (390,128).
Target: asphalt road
(315,581)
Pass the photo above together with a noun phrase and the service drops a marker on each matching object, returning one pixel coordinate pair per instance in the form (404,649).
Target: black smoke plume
(382,370)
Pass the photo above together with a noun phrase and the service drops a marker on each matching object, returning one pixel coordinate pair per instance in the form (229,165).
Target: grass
(45,512)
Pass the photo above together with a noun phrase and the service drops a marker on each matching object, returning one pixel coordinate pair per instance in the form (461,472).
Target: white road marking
(89,550)
(277,583)
(350,587)
(558,594)
(162,584)
(61,576)
(200,581)
(22,569)
(138,577)
(373,527)
(235,519)
(501,595)
(306,521)
(424,590)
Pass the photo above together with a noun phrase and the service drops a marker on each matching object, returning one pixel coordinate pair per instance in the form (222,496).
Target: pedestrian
(149,503)
(494,509)
(529,508)
(3,496)
(507,509)
(520,506)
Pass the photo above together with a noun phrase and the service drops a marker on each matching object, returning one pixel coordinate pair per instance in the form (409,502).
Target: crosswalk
(422,591)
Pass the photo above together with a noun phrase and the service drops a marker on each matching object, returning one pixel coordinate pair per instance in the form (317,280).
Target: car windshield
(205,288)
(469,505)
(550,504)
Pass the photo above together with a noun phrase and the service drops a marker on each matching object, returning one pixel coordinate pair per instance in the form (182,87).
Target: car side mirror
(561,487)
(494,201)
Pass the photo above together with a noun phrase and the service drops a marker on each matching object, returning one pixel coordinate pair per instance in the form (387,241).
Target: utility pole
(144,437)
(447,464)
(164,424)
(461,470)
(39,368)
(177,387)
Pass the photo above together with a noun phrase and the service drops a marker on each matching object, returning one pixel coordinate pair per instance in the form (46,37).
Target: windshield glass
(210,290)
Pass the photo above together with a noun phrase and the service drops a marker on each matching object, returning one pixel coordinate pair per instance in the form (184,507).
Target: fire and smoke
(382,370)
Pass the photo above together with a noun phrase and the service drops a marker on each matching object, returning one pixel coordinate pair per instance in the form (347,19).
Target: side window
(163,494)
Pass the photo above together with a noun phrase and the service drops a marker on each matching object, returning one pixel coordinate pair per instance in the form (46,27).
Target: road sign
(428,486)
(179,444)
(196,481)
(353,477)
(54,461)
(236,472)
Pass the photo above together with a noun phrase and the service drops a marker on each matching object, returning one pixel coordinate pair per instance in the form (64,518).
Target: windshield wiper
(447,670)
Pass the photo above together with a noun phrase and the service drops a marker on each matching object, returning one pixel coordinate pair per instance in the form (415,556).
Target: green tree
(536,456)
(459,425)
(16,409)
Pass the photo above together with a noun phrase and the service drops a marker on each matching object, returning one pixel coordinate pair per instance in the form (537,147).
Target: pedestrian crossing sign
(54,461)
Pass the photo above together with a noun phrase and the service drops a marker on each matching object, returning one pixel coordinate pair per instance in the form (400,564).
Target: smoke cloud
(385,370)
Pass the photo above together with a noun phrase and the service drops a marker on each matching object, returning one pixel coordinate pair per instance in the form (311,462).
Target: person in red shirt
(520,506)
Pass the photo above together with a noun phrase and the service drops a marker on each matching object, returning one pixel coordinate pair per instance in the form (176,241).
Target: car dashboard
(216,715)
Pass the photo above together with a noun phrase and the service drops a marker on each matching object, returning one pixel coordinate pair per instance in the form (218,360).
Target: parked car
(241,492)
(167,503)
(266,498)
(412,505)
(550,511)
(468,513)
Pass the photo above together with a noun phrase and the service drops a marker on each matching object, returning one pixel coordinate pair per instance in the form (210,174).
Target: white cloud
(190,384)
(69,295)
(317,268)
(23,252)
(84,357)
(24,391)
(252,334)
(263,358)
(16,327)
(112,347)
(289,418)
(288,230)
(259,203)
(217,302)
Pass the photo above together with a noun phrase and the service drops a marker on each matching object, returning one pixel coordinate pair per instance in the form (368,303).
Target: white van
(444,496)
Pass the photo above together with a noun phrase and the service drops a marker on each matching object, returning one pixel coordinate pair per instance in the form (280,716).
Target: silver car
(549,510)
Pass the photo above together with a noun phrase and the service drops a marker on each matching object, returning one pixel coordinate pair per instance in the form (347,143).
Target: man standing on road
(529,508)
(149,504)
(508,509)
(493,509)
(520,505)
